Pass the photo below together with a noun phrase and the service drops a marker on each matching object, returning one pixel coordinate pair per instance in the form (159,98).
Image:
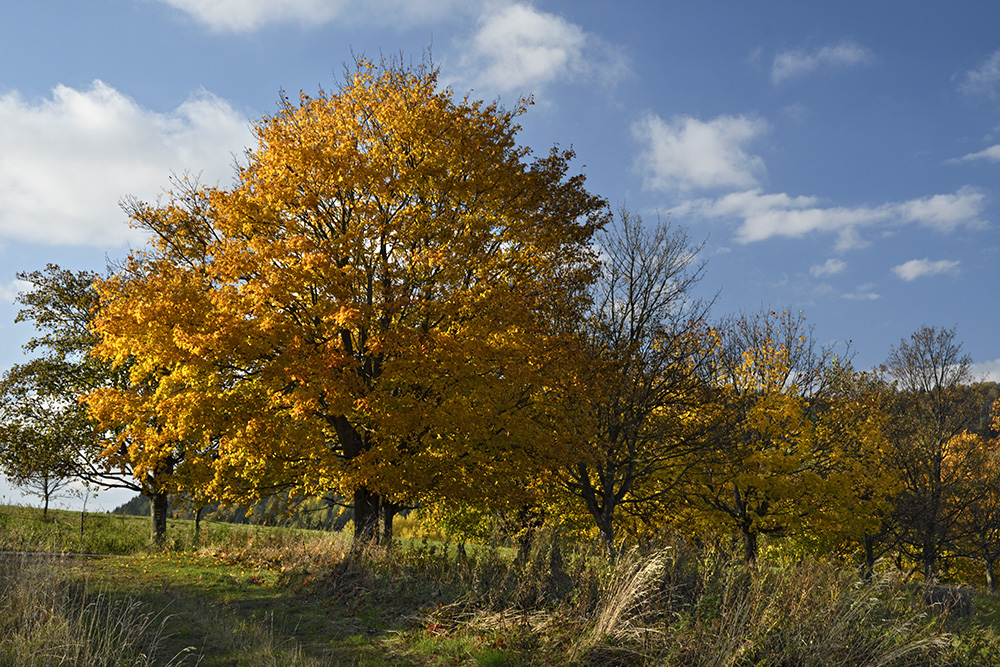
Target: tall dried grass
(49,619)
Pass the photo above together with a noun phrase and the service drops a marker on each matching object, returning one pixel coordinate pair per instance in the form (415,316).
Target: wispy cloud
(983,80)
(68,160)
(9,291)
(519,48)
(250,15)
(792,64)
(988,371)
(763,216)
(244,16)
(943,212)
(864,292)
(830,267)
(685,153)
(991,154)
(921,268)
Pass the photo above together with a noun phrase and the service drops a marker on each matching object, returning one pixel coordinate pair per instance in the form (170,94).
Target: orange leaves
(372,304)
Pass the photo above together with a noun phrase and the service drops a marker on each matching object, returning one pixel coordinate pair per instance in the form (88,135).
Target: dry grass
(49,619)
(422,603)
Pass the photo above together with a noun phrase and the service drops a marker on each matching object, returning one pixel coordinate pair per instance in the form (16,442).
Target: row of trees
(398,305)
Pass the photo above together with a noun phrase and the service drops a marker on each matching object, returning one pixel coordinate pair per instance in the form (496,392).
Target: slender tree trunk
(991,578)
(45,508)
(158,517)
(197,524)
(607,526)
(366,517)
(929,558)
(869,570)
(83,516)
(524,542)
(749,546)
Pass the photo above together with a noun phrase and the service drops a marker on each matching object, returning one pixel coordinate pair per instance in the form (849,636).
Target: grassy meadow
(242,595)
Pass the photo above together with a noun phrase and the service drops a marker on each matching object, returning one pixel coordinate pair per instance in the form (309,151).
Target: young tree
(39,445)
(766,468)
(382,306)
(647,348)
(851,426)
(978,535)
(47,434)
(934,405)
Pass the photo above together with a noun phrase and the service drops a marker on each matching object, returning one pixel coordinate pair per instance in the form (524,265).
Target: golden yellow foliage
(381,305)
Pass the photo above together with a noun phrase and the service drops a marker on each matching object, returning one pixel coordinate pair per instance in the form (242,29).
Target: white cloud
(987,371)
(985,79)
(68,160)
(992,154)
(864,293)
(519,48)
(9,291)
(251,15)
(920,268)
(945,212)
(791,64)
(830,267)
(764,216)
(686,153)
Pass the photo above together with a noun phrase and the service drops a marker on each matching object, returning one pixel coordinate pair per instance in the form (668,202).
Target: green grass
(268,596)
(22,529)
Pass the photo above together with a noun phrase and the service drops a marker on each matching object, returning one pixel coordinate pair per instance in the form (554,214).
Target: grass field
(265,596)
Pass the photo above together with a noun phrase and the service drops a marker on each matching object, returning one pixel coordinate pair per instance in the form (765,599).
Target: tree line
(397,305)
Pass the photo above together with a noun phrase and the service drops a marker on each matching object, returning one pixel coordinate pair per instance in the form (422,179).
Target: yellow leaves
(389,266)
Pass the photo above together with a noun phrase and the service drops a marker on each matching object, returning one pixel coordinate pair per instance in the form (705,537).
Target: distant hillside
(274,511)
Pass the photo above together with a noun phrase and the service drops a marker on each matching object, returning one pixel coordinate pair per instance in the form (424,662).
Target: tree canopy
(382,306)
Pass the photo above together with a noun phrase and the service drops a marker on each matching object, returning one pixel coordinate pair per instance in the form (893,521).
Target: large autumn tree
(383,306)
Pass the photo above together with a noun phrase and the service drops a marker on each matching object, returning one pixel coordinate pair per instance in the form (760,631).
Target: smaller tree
(851,426)
(39,442)
(646,340)
(44,422)
(979,529)
(934,404)
(765,471)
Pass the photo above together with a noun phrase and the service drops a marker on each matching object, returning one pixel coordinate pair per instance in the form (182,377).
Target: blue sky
(839,158)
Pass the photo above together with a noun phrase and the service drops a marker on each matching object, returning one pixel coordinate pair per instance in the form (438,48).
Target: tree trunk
(158,517)
(607,526)
(929,558)
(869,570)
(366,518)
(388,510)
(991,578)
(524,542)
(197,524)
(749,546)
(83,516)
